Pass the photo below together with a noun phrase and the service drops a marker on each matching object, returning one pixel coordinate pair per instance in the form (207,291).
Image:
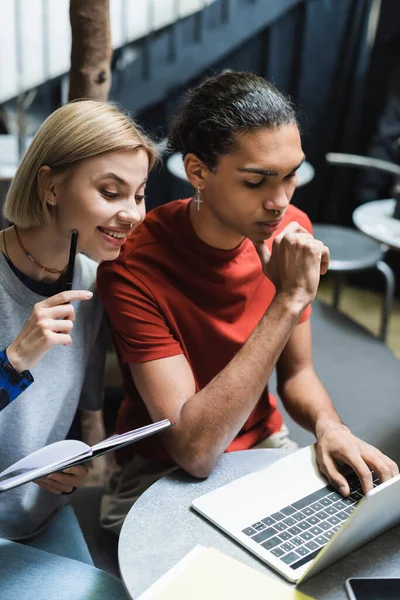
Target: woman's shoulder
(86,272)
(85,279)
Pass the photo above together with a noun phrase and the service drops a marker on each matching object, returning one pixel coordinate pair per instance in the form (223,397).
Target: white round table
(175,166)
(375,219)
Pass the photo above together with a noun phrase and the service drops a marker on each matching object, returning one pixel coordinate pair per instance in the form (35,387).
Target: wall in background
(35,35)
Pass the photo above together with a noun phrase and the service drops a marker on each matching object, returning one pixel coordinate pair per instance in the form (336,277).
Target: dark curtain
(326,74)
(381,123)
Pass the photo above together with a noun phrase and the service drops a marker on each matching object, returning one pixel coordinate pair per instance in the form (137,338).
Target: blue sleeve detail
(12,383)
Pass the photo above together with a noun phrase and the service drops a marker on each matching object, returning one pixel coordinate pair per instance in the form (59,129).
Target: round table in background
(375,219)
(175,166)
(161,528)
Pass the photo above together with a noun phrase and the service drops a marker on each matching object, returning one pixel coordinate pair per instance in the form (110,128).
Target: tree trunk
(90,77)
(91,52)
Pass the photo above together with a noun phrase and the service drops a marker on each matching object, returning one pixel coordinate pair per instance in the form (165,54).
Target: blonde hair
(76,131)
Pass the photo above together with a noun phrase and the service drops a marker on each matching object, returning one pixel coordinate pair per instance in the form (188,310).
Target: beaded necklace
(29,255)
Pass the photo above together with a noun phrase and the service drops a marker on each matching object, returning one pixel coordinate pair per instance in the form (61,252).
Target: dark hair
(221,107)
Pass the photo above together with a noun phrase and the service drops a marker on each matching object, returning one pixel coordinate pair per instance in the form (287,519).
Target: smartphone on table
(373,588)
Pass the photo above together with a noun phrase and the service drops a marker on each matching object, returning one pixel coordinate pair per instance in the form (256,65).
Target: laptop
(290,518)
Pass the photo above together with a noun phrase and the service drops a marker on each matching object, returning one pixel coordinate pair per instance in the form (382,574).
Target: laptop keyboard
(297,532)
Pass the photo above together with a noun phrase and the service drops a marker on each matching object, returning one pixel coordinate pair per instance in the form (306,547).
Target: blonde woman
(86,169)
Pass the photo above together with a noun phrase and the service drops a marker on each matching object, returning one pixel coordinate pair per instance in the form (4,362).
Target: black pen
(71,261)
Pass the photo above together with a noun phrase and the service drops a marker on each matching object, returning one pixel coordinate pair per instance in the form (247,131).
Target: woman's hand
(64,482)
(49,324)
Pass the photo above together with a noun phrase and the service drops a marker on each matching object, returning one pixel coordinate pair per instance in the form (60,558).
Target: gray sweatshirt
(66,378)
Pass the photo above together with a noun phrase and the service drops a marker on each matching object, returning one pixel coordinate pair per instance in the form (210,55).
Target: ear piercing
(197,198)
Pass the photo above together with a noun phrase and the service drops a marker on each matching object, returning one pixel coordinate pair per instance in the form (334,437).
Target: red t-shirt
(169,293)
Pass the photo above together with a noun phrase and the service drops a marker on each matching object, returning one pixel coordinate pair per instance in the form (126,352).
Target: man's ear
(196,171)
(46,186)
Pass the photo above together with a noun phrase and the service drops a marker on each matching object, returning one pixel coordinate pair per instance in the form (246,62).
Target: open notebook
(207,573)
(67,453)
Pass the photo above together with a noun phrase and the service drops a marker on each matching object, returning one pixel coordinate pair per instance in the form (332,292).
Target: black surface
(374,589)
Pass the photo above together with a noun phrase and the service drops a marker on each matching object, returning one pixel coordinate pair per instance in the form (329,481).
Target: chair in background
(352,251)
(368,162)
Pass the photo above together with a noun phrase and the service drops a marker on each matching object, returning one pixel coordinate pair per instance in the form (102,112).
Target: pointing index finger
(67,296)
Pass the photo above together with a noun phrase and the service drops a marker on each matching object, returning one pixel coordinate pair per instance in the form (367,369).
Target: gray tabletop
(161,528)
(376,220)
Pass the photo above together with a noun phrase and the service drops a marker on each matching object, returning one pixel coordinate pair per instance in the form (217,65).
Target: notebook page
(55,453)
(208,574)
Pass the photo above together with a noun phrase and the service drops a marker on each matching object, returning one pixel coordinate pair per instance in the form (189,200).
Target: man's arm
(207,421)
(302,393)
(308,403)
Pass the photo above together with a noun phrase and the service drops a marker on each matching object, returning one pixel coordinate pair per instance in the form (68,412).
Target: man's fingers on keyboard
(394,466)
(339,483)
(363,473)
(383,466)
(329,468)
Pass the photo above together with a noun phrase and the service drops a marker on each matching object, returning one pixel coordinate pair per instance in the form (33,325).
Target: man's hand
(336,445)
(296,262)
(64,481)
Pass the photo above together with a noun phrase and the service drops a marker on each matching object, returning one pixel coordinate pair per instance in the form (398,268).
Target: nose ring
(276,212)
